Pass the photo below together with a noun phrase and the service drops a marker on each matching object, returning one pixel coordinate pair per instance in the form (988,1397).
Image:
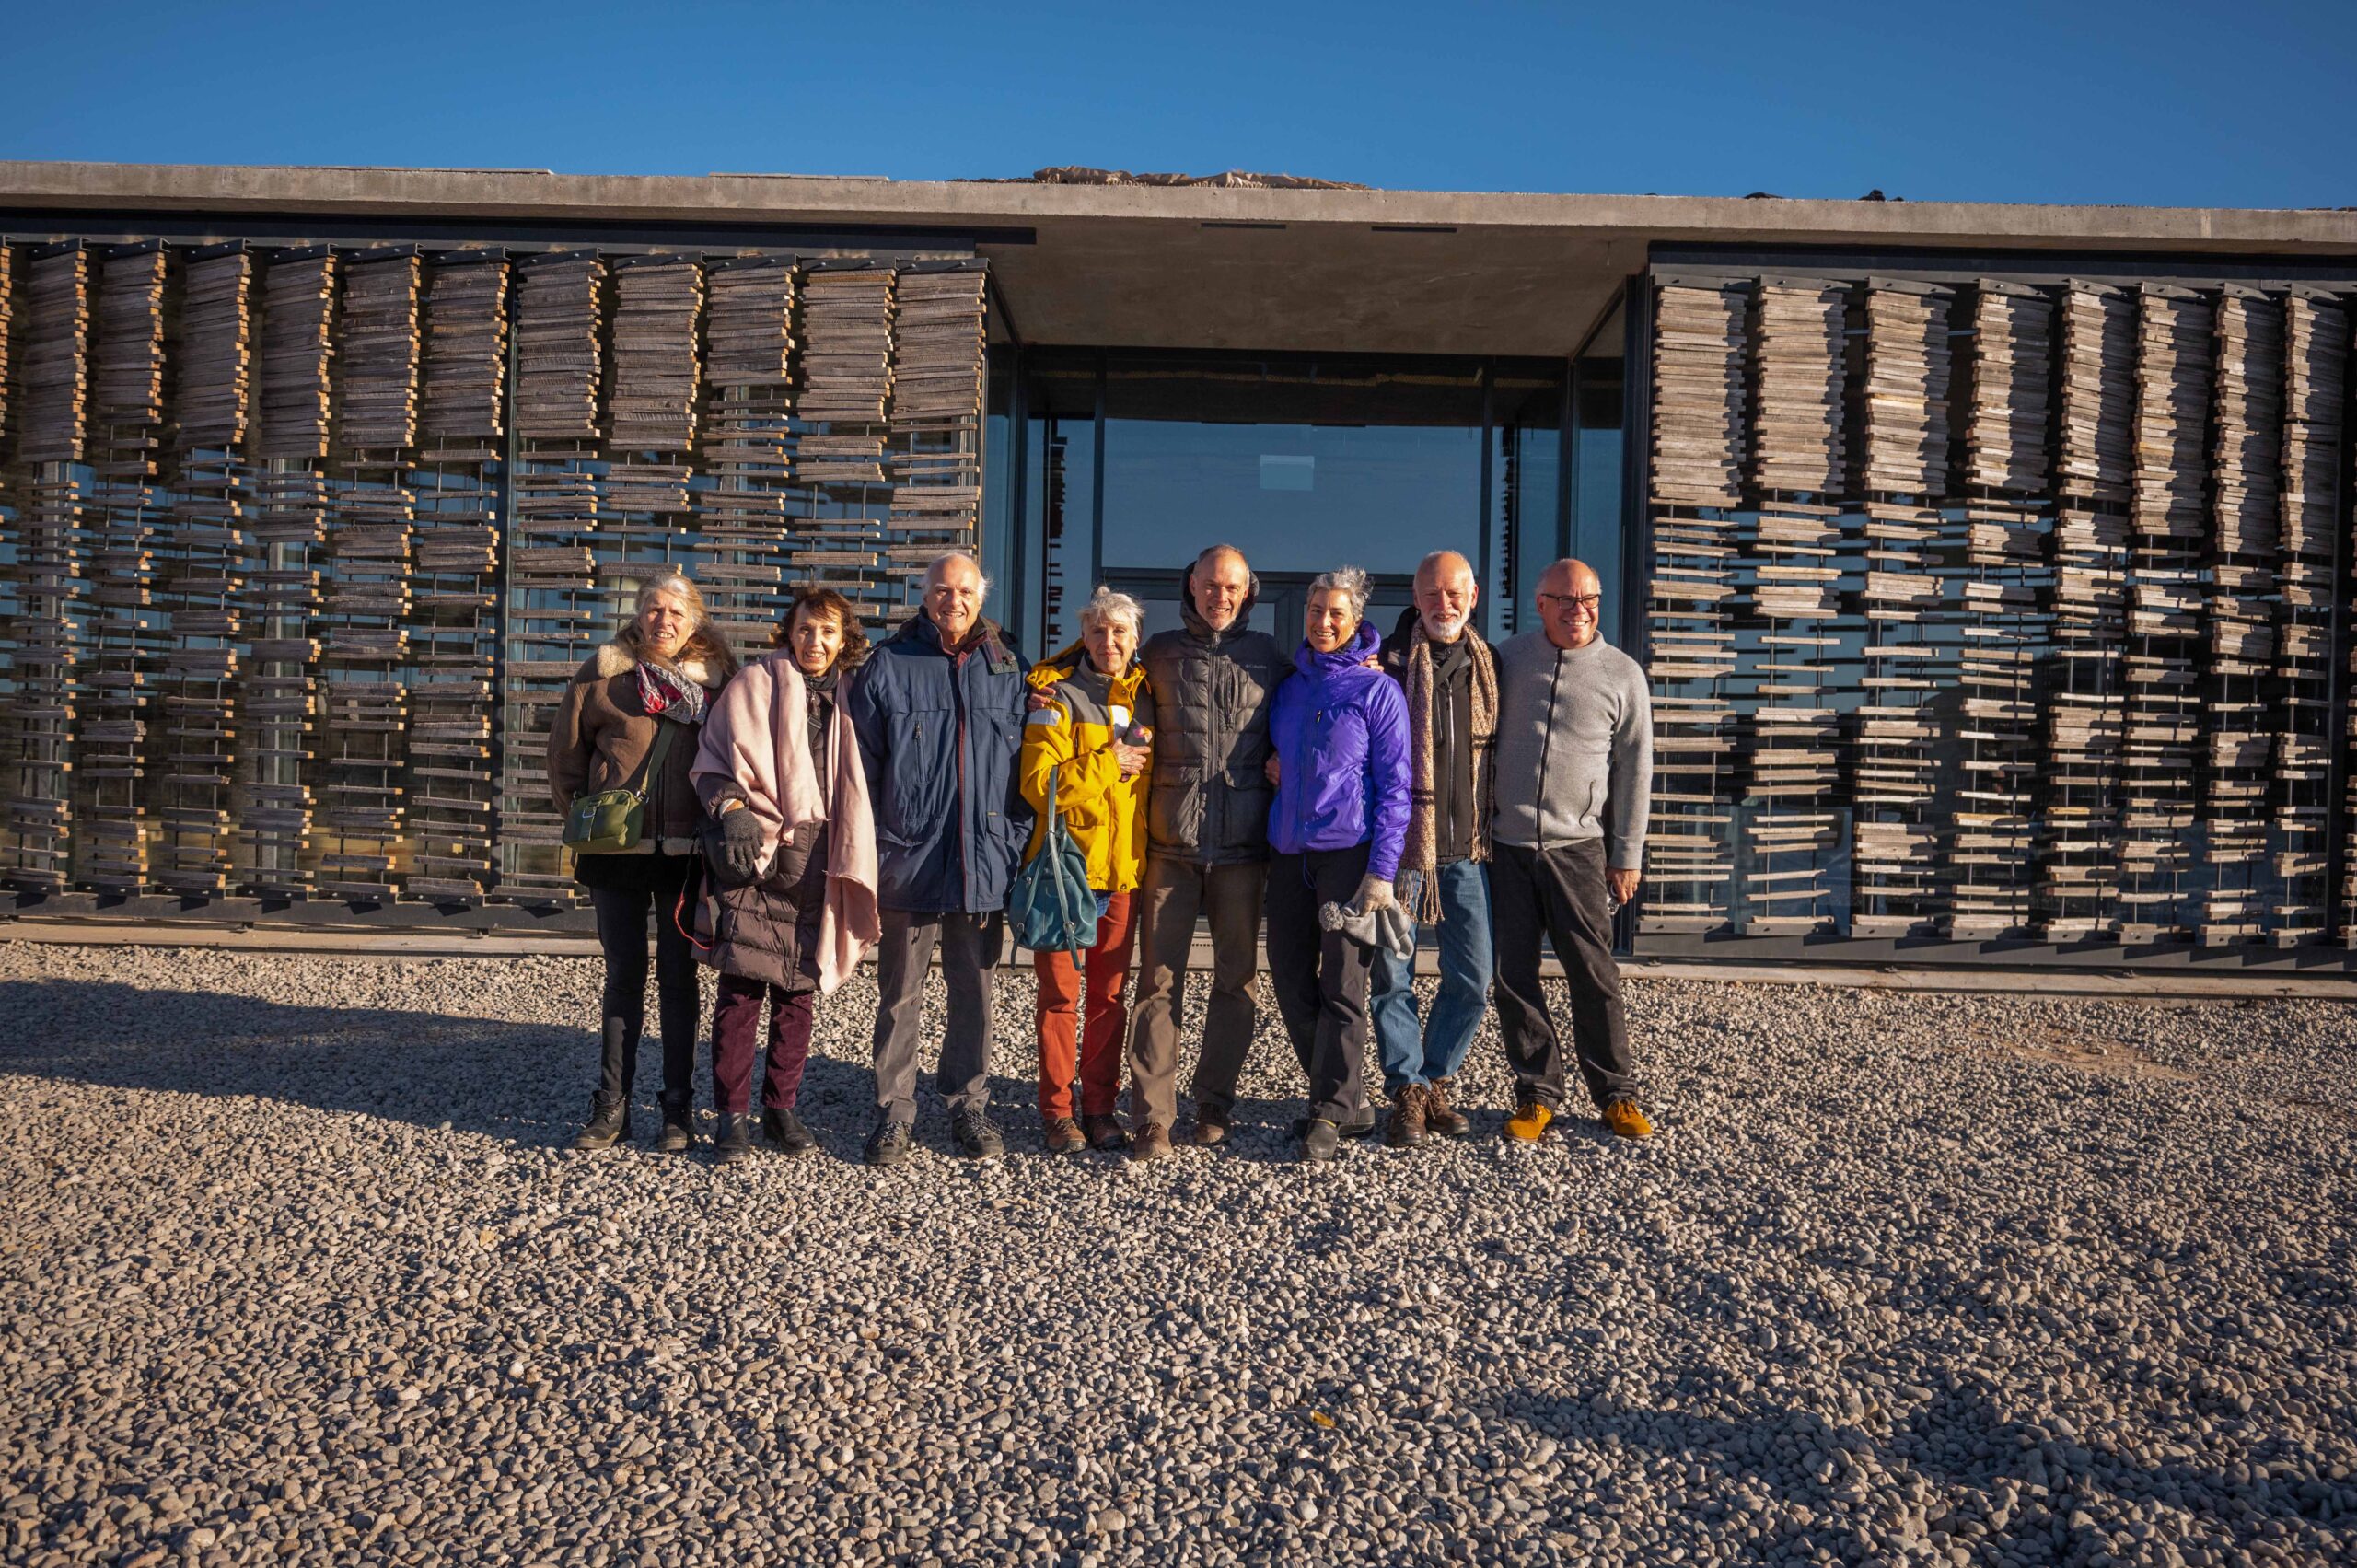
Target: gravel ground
(296,1269)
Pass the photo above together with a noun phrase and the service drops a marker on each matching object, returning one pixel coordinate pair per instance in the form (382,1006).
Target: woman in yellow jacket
(1088,731)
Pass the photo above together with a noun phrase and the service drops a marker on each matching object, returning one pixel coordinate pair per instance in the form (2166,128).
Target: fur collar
(614,659)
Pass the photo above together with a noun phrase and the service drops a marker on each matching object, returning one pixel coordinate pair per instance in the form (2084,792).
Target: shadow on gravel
(524,1084)
(2020,1482)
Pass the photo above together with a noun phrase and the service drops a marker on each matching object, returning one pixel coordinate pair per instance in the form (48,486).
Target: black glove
(742,838)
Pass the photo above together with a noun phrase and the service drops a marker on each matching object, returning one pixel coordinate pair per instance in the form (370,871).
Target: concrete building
(1993,562)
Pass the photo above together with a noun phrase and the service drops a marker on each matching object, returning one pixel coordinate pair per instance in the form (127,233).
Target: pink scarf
(758,735)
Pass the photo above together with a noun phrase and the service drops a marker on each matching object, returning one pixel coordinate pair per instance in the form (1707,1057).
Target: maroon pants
(737,1031)
(1085,1007)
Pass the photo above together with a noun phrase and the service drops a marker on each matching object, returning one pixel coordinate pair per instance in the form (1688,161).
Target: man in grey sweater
(1574,783)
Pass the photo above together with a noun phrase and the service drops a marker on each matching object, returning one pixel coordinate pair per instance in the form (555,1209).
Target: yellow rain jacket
(1070,737)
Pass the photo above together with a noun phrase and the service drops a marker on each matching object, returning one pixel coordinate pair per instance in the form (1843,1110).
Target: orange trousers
(1097,1023)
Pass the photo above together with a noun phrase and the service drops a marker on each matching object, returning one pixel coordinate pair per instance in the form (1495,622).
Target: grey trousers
(1173,893)
(969,945)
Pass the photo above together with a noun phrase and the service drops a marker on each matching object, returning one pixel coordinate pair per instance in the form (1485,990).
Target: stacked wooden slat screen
(2315,403)
(51,343)
(1992,610)
(307,542)
(126,669)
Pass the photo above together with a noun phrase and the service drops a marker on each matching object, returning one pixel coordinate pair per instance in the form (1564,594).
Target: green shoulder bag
(612,820)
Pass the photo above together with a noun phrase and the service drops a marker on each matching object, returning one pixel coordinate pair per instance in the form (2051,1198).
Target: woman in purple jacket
(1338,731)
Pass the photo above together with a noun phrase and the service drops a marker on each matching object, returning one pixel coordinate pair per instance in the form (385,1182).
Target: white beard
(1444,631)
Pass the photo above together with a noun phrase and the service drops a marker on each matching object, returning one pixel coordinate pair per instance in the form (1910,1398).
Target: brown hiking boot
(1407,1128)
(1151,1142)
(1104,1132)
(1439,1117)
(1209,1130)
(1064,1135)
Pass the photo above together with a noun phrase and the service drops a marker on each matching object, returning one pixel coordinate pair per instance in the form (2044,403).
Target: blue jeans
(1439,1050)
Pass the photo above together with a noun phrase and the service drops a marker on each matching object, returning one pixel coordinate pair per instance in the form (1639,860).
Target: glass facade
(1129,463)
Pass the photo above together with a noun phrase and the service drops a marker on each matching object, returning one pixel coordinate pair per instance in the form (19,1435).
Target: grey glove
(1387,928)
(1375,893)
(742,838)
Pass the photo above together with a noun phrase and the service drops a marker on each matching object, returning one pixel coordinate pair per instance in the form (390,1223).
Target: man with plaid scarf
(1450,676)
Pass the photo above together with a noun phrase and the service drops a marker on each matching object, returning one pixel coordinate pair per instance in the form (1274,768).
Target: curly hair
(833,605)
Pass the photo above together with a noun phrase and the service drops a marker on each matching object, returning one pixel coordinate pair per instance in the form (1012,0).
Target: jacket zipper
(1545,744)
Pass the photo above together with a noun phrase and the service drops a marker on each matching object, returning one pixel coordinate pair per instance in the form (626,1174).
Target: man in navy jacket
(938,708)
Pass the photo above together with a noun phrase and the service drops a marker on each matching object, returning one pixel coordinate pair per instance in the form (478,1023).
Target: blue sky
(2242,105)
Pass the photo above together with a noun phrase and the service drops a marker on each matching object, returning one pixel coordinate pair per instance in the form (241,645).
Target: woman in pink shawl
(790,904)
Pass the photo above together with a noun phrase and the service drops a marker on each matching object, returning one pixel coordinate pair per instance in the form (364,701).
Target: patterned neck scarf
(664,692)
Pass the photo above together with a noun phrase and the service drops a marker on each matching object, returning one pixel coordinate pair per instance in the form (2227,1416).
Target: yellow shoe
(1624,1117)
(1529,1124)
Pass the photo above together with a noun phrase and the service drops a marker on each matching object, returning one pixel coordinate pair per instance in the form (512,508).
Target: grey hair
(671,580)
(1344,579)
(1106,605)
(947,556)
(1210,550)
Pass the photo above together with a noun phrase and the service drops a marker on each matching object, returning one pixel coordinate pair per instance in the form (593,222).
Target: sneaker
(734,1143)
(609,1124)
(976,1138)
(1064,1135)
(1320,1142)
(784,1132)
(1439,1116)
(889,1143)
(1211,1129)
(1151,1142)
(679,1134)
(1104,1132)
(1407,1129)
(1529,1124)
(1622,1116)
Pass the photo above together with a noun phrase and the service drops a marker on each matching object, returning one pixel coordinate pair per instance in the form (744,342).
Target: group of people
(833,798)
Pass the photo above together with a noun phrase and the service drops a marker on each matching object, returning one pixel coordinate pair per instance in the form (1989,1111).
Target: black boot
(608,1123)
(679,1134)
(785,1134)
(735,1145)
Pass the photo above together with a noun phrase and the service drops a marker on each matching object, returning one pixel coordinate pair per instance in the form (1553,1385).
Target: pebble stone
(297,1268)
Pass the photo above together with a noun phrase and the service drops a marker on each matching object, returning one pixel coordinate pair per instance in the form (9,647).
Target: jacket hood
(1071,660)
(612,659)
(919,629)
(1364,643)
(1195,622)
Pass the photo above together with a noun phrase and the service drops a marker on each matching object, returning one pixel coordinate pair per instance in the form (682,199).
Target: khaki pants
(1173,894)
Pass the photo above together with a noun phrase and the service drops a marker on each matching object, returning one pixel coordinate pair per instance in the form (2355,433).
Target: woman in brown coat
(767,895)
(656,675)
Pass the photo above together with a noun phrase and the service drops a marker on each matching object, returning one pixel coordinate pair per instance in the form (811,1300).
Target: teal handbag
(1051,906)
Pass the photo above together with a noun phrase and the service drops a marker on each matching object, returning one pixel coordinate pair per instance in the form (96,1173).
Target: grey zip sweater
(1575,748)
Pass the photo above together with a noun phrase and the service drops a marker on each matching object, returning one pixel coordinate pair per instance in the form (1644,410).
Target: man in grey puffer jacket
(1574,783)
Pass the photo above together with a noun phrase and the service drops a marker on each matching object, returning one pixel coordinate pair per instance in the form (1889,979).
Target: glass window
(1305,465)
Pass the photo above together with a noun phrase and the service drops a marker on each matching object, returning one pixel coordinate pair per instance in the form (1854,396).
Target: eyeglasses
(1591,601)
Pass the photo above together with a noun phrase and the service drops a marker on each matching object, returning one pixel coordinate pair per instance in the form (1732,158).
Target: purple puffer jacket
(1340,731)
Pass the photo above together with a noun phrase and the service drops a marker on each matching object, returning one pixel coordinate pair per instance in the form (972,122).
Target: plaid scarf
(1421,851)
(665,693)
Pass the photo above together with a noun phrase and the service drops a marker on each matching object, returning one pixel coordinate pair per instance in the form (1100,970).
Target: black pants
(1320,976)
(622,906)
(1558,893)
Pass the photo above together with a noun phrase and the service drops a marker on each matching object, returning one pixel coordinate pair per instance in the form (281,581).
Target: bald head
(1570,603)
(1446,594)
(1219,582)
